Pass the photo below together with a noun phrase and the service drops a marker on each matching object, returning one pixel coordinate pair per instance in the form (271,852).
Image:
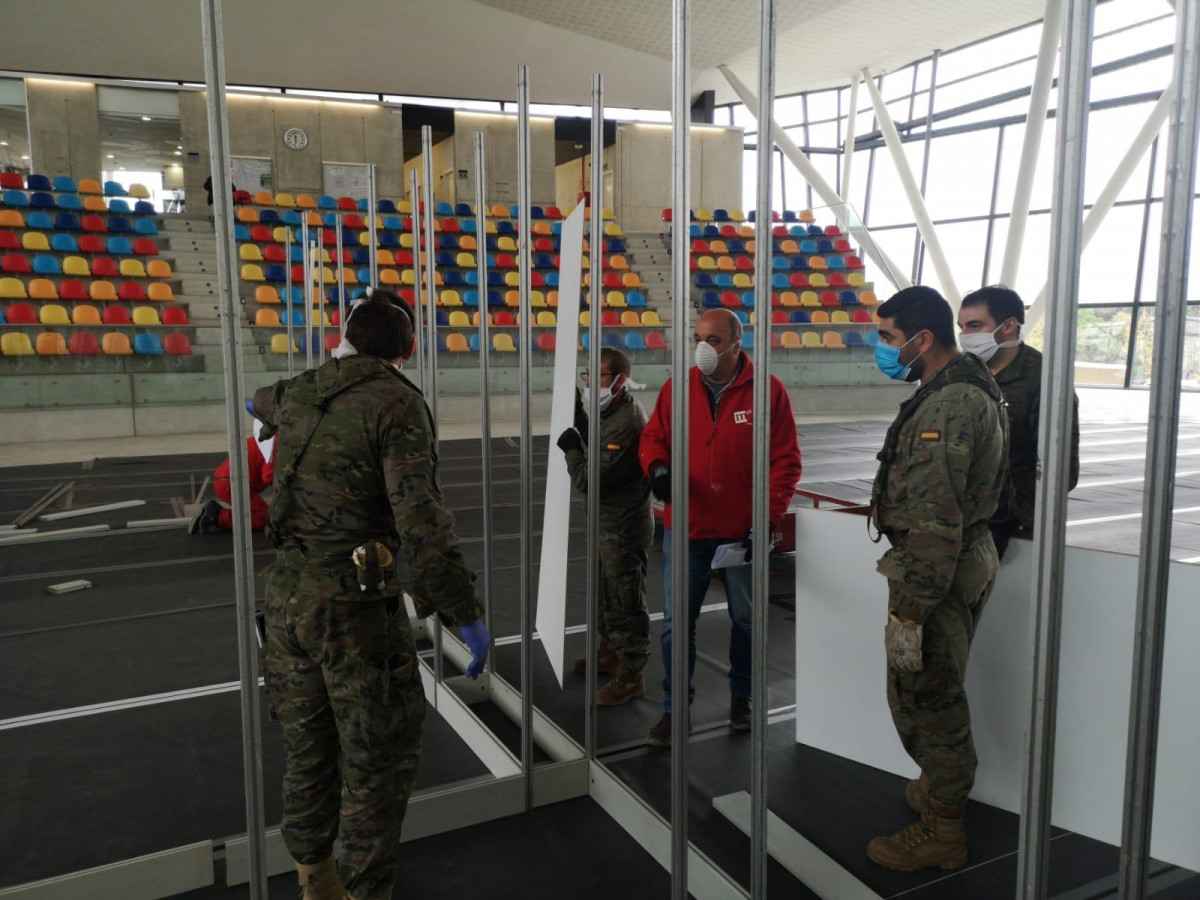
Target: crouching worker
(217,515)
(356,483)
(626,527)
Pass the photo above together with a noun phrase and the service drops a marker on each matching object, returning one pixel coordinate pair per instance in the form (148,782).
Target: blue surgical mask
(887,358)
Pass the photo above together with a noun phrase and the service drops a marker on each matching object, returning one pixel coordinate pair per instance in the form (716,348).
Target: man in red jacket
(217,515)
(720,483)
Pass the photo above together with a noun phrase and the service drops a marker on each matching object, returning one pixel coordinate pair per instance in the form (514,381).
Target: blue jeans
(738,591)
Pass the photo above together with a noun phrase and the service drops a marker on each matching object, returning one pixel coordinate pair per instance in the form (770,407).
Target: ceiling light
(3,143)
(179,153)
(145,118)
(24,157)
(111,156)
(179,147)
(122,168)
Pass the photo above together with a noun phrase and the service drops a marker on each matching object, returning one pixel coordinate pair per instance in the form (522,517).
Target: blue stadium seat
(798,317)
(329,220)
(297,316)
(442,318)
(506,227)
(495,279)
(835,262)
(789,215)
(489,243)
(296,298)
(388,240)
(634,341)
(472,278)
(448,242)
(41,200)
(66,222)
(799,263)
(70,202)
(119,225)
(362,204)
(635,300)
(586,340)
(854,339)
(551,279)
(615,245)
(780,262)
(385,206)
(144,208)
(119,206)
(443,258)
(704,280)
(710,300)
(494,298)
(741,313)
(848,298)
(473,341)
(63,243)
(291,217)
(145,227)
(119,246)
(269,217)
(297,254)
(723,280)
(735,246)
(695,231)
(543,261)
(780,281)
(712,231)
(38,183)
(275,272)
(747,339)
(326,202)
(65,184)
(720,215)
(147,344)
(114,189)
(815,231)
(453,278)
(798,231)
(39,221)
(14,198)
(748,302)
(393,223)
(361,257)
(470,298)
(808,246)
(44,264)
(241,233)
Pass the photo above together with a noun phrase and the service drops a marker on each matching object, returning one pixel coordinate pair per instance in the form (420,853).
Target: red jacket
(721,454)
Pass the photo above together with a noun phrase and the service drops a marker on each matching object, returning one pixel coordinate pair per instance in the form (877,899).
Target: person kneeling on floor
(217,515)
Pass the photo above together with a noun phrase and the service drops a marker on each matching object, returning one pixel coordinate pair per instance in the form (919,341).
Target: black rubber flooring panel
(89,791)
(570,849)
(839,805)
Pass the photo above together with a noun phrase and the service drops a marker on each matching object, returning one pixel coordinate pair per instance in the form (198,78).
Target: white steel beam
(848,147)
(912,190)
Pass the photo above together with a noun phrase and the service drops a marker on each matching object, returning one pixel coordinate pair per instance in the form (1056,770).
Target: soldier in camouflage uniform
(626,528)
(942,469)
(990,320)
(356,465)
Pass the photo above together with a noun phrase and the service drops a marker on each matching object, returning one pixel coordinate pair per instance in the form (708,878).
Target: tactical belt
(970,535)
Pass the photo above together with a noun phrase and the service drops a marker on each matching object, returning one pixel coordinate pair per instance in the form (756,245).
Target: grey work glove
(902,640)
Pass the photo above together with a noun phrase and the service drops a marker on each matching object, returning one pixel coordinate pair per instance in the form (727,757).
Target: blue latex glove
(250,408)
(479,641)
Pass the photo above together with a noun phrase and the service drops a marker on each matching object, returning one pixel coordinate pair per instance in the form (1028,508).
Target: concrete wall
(500,145)
(337,132)
(641,163)
(446,187)
(64,127)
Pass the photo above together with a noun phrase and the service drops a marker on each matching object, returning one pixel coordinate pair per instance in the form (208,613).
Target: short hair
(382,326)
(920,308)
(1003,303)
(618,362)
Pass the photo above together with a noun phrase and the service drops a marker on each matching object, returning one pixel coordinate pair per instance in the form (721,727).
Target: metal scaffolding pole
(851,128)
(415,219)
(525,361)
(319,254)
(306,292)
(596,189)
(1154,557)
(918,246)
(1054,449)
(1035,122)
(372,227)
(809,173)
(484,383)
(681,106)
(341,285)
(287,303)
(760,521)
(924,223)
(231,349)
(431,386)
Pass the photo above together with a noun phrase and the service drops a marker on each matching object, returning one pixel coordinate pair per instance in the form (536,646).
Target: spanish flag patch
(612,446)
(931,435)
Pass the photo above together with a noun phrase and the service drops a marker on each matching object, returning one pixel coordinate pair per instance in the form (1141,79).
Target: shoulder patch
(932,435)
(612,446)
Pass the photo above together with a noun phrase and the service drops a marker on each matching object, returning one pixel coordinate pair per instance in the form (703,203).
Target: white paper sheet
(551,619)
(727,556)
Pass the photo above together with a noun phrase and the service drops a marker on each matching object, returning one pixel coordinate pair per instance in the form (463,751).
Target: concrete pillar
(193,133)
(64,128)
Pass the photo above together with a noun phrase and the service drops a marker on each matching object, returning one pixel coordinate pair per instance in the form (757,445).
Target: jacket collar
(744,376)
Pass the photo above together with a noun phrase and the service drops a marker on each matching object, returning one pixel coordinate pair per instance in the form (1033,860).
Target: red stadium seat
(131,291)
(83,344)
(347,204)
(177,345)
(116,315)
(89,243)
(104,267)
(72,289)
(242,197)
(20,314)
(175,315)
(9,240)
(655,341)
(94,224)
(15,263)
(145,247)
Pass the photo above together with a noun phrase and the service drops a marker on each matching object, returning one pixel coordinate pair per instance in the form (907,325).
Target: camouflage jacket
(1021,383)
(624,488)
(942,469)
(356,460)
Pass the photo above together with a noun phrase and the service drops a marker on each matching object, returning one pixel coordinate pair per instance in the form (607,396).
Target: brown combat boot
(916,793)
(625,685)
(660,734)
(607,662)
(321,881)
(936,839)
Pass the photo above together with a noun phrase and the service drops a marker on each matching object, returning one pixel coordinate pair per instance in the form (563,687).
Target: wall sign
(295,139)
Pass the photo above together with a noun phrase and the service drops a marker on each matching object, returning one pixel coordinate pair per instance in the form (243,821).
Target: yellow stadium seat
(252,272)
(833,341)
(790,340)
(159,268)
(465,260)
(546,319)
(586,262)
(505,244)
(537,299)
(304,201)
(868,298)
(264,293)
(614,298)
(279,344)
(607,213)
(404,207)
(103,291)
(816,279)
(788,298)
(15,343)
(132,268)
(279,234)
(53,314)
(12,289)
(266,318)
(503,343)
(742,280)
(819,317)
(650,317)
(51,344)
(612,229)
(631,280)
(139,191)
(406,241)
(459,319)
(752,317)
(856,279)
(89,186)
(408,276)
(10,218)
(160,292)
(630,317)
(84,314)
(489,227)
(247,216)
(706,263)
(325,257)
(42,289)
(287,201)
(264,198)
(839,317)
(450,298)
(145,316)
(809,298)
(457,343)
(94,204)
(116,344)
(512,279)
(704,215)
(737,215)
(585,317)
(810,339)
(34,240)
(389,276)
(323,275)
(319,315)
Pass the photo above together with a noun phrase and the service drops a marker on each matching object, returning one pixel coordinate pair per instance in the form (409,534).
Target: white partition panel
(841,705)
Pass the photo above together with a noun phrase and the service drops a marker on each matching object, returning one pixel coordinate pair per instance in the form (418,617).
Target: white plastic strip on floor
(1137,515)
(1083,485)
(1135,456)
(812,867)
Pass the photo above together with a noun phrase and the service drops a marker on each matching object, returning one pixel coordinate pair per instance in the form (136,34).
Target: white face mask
(606,396)
(707,358)
(983,344)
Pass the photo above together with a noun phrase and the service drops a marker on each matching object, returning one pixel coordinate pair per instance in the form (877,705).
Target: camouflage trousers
(343,681)
(624,618)
(929,708)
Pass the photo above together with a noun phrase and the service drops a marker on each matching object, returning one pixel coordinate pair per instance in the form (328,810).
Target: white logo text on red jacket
(743,417)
